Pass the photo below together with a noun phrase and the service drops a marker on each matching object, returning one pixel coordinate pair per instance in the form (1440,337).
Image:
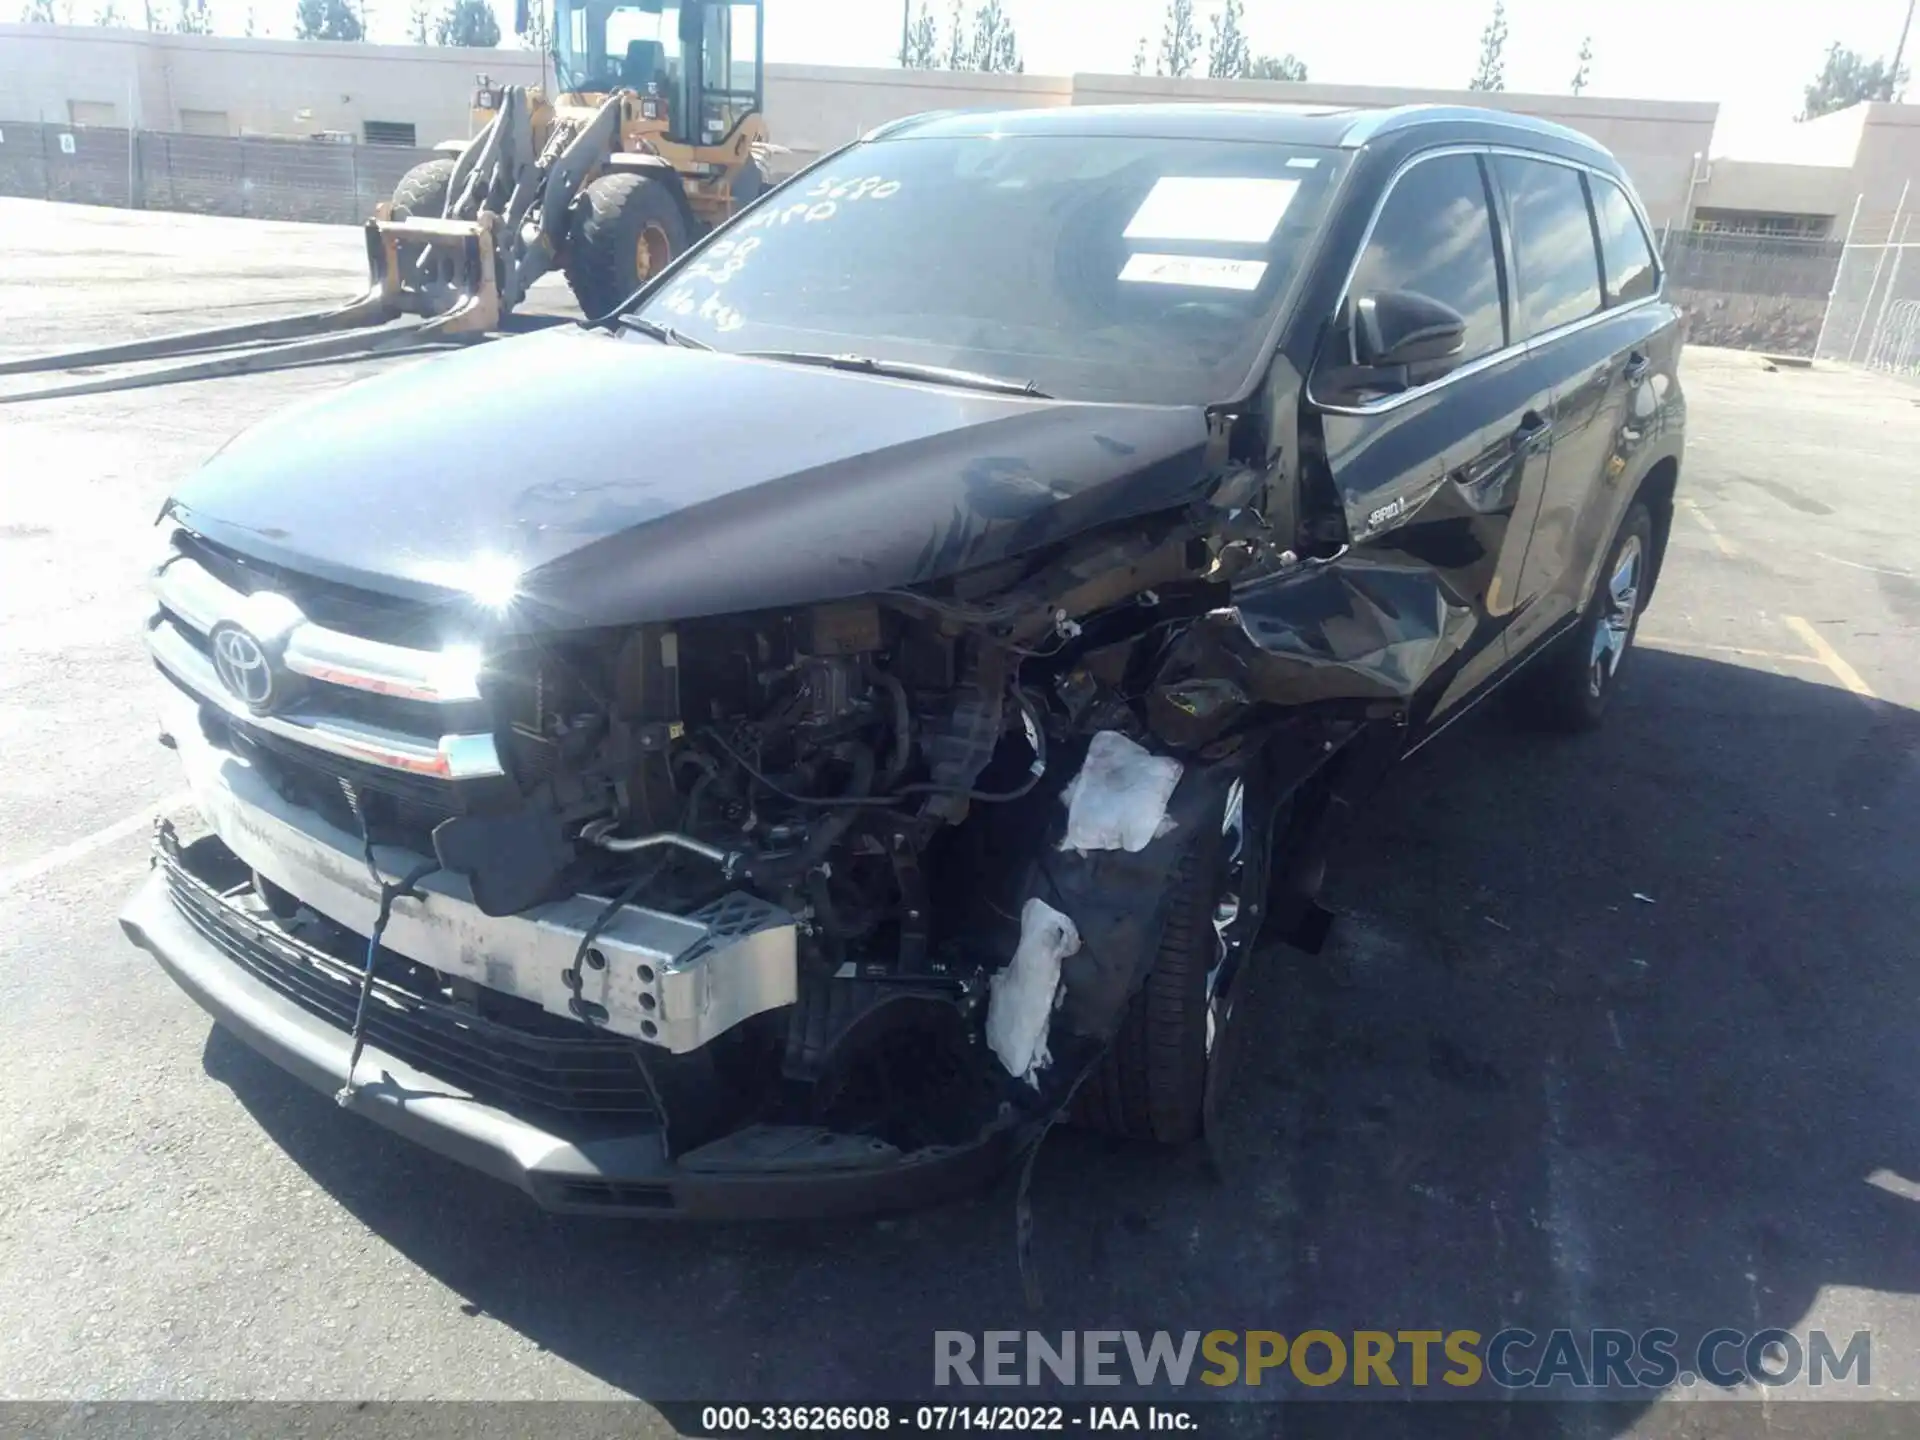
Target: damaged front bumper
(560,1117)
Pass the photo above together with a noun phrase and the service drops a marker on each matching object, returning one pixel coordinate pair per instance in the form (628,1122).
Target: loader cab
(695,64)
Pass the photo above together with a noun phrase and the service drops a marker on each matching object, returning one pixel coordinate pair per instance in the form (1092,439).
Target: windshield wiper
(904,370)
(665,334)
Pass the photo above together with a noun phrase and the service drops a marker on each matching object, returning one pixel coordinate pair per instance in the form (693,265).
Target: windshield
(1096,267)
(645,45)
(600,46)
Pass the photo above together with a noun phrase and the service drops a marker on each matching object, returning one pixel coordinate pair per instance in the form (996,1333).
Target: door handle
(1534,428)
(1637,367)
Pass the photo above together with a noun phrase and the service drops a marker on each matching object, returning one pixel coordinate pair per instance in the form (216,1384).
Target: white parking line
(1726,546)
(1830,657)
(1861,565)
(33,869)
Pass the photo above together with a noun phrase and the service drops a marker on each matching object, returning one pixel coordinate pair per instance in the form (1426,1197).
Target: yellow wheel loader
(653,135)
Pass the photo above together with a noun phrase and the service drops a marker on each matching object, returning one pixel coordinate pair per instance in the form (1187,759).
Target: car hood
(623,480)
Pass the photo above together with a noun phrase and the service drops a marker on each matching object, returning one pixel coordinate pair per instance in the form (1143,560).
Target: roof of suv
(1344,127)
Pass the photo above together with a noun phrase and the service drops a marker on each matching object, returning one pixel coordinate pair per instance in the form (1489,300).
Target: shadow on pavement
(1511,1093)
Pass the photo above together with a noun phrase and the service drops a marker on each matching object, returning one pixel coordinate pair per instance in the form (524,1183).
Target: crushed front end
(811,909)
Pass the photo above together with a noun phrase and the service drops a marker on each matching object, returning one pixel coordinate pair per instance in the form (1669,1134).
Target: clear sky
(1754,56)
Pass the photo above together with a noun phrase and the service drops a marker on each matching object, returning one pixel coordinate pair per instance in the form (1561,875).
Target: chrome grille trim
(198,598)
(449,757)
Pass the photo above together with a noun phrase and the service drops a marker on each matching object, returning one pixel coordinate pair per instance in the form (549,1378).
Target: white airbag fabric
(1027,991)
(1118,801)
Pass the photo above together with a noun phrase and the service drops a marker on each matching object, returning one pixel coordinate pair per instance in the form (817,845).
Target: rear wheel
(1174,1041)
(1569,689)
(626,229)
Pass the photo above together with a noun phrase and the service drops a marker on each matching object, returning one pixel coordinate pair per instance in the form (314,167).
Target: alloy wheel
(1619,601)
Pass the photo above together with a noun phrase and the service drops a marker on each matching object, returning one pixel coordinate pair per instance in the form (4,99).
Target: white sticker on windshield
(1208,271)
(1212,207)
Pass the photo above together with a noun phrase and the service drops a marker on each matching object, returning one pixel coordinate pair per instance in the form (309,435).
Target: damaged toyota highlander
(775,749)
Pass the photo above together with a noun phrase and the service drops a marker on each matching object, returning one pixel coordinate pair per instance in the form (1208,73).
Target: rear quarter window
(1624,247)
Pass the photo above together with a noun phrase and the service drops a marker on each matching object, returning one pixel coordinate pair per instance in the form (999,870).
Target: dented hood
(627,480)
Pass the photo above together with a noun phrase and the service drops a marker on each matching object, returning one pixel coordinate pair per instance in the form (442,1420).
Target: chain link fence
(1752,292)
(1874,319)
(318,180)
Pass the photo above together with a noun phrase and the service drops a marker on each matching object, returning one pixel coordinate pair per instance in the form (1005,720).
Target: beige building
(1802,179)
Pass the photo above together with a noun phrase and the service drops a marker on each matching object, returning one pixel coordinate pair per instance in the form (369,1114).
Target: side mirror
(520,17)
(1403,330)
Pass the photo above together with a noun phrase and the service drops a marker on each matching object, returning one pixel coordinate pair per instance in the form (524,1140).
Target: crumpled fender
(1356,628)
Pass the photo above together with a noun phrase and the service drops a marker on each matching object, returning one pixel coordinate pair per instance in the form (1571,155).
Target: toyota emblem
(243,666)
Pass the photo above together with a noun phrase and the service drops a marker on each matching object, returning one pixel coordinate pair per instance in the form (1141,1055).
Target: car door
(1446,475)
(1593,351)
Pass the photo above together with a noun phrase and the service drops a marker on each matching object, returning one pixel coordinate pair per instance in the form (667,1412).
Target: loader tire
(627,227)
(420,195)
(422,191)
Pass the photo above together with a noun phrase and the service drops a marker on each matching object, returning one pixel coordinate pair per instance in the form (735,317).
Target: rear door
(1444,476)
(1591,344)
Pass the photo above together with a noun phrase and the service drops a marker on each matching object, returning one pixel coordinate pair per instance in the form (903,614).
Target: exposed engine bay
(816,862)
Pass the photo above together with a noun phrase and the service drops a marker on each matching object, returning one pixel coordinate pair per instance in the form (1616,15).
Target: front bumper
(762,1172)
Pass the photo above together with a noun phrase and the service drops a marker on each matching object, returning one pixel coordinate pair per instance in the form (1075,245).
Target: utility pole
(1900,50)
(906,30)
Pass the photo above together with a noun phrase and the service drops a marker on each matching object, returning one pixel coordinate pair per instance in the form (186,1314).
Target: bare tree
(1581,75)
(959,51)
(38,12)
(1179,40)
(1492,71)
(196,18)
(923,40)
(1228,56)
(108,14)
(1140,57)
(995,45)
(1278,67)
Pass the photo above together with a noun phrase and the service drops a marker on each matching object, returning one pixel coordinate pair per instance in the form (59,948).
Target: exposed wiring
(1036,732)
(390,891)
(583,1009)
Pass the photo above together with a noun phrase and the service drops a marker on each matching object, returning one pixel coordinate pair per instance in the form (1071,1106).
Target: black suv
(777,748)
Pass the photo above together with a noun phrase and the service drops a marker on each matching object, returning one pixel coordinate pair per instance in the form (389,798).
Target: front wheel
(1570,688)
(421,195)
(1173,1045)
(626,230)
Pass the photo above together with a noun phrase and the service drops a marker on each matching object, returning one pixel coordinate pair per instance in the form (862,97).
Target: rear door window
(1624,248)
(1435,237)
(1554,252)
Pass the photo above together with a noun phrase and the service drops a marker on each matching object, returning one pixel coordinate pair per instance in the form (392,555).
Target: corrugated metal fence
(259,179)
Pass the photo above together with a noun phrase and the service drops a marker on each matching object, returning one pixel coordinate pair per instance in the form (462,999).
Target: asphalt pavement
(1621,1030)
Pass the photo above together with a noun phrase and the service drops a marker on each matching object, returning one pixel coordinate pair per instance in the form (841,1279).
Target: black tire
(617,215)
(750,184)
(422,191)
(1569,688)
(1152,1084)
(421,195)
